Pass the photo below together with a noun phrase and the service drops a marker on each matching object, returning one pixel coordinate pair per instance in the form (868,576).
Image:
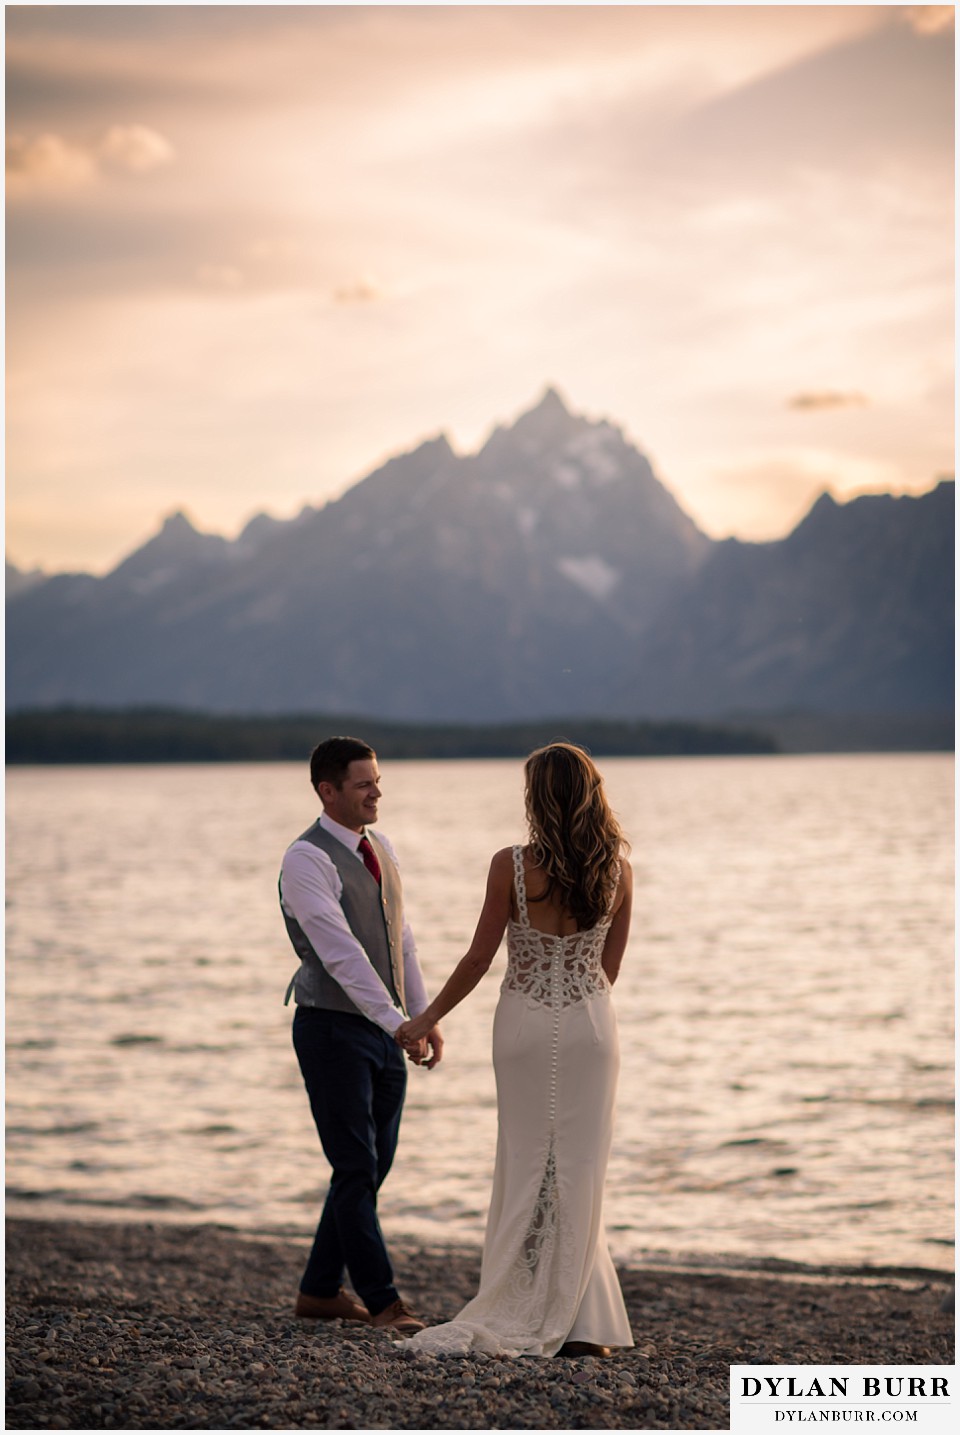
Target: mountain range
(551,572)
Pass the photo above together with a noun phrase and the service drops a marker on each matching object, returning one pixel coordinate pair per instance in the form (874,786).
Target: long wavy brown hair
(574,836)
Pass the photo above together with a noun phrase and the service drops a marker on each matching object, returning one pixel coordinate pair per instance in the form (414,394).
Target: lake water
(785,1004)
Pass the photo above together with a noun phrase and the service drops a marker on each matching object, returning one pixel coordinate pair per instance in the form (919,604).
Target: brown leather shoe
(584,1347)
(398,1317)
(335,1307)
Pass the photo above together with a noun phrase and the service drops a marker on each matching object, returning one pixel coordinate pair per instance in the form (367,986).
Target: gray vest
(374,915)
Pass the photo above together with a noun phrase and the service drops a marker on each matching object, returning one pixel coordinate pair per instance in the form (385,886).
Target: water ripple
(786,1047)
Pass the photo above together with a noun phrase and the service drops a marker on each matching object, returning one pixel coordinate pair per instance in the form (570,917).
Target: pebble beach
(163,1327)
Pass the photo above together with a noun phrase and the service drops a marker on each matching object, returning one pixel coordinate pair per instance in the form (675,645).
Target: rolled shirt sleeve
(310,891)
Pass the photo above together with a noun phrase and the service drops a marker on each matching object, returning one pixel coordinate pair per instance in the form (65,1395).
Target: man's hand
(415,1036)
(434,1040)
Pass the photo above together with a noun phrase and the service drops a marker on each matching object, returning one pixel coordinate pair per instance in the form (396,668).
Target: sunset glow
(254,251)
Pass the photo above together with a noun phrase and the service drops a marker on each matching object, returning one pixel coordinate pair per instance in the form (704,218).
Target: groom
(342,903)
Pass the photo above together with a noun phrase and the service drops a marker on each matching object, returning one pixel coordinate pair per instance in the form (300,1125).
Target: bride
(547,1283)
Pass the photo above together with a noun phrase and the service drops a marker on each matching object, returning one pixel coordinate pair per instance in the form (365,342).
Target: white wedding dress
(546,1275)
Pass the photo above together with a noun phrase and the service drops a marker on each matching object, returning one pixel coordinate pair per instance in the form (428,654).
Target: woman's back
(545,912)
(556,964)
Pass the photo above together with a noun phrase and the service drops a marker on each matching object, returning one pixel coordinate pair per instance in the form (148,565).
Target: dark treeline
(69,735)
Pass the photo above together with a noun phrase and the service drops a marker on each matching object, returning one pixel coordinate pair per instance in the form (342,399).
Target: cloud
(928,19)
(134,148)
(50,162)
(364,290)
(827,399)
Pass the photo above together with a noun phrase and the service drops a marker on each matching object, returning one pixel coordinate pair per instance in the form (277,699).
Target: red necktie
(369,858)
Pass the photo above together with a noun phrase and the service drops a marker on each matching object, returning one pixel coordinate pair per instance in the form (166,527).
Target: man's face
(354,804)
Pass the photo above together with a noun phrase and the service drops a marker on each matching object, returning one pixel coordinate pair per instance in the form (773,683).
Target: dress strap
(520,883)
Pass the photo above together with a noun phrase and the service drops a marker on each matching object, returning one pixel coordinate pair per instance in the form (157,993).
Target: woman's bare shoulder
(501,863)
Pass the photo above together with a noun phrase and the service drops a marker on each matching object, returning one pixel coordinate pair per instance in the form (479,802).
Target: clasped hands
(418,1036)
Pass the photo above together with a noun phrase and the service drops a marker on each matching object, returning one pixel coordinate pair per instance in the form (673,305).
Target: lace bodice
(547,970)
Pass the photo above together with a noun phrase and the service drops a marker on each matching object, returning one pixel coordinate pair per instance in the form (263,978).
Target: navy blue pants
(356,1077)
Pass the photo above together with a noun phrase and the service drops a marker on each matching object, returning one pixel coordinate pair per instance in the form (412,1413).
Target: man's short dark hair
(331,758)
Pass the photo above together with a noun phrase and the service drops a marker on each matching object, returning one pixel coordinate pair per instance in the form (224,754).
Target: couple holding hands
(547,1283)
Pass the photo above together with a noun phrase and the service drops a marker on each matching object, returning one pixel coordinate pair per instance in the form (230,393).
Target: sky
(254,251)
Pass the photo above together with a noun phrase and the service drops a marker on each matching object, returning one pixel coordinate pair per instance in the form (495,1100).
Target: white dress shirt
(310,890)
